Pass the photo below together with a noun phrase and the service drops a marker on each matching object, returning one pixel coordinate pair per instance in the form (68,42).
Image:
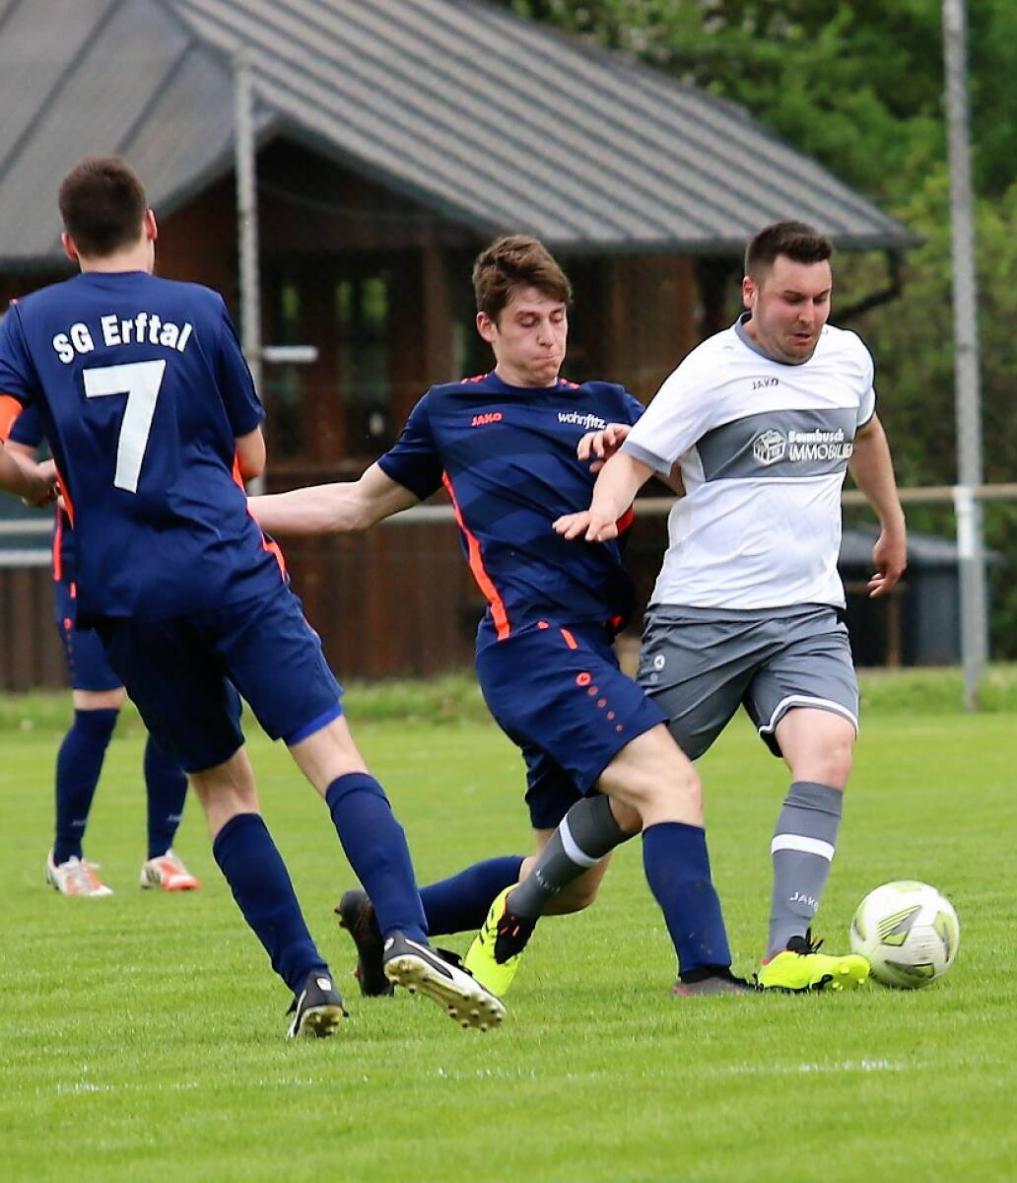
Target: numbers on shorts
(140,381)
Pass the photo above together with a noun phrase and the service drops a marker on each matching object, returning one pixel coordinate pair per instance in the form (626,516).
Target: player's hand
(600,446)
(40,484)
(890,558)
(587,525)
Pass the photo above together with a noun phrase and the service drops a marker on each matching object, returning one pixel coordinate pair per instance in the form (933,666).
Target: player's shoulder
(472,384)
(461,392)
(53,293)
(706,364)
(597,388)
(717,349)
(607,400)
(846,342)
(196,294)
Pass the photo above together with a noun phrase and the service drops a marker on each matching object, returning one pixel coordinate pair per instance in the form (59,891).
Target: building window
(363,321)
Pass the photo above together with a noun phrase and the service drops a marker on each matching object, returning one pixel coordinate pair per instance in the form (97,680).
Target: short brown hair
(102,203)
(798,241)
(516,261)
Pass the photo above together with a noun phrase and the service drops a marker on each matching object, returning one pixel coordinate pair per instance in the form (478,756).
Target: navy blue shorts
(559,695)
(184,673)
(87,664)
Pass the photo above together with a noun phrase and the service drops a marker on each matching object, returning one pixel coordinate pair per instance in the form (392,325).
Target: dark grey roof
(492,121)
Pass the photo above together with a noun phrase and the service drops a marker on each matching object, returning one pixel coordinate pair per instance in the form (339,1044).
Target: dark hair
(102,203)
(516,261)
(799,241)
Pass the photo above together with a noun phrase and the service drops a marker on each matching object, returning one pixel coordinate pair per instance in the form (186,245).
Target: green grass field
(142,1036)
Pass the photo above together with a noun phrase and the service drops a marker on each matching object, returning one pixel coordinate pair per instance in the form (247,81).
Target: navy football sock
(375,845)
(78,765)
(166,783)
(460,903)
(678,871)
(261,885)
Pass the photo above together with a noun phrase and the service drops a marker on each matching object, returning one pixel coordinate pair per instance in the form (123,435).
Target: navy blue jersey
(507,457)
(141,390)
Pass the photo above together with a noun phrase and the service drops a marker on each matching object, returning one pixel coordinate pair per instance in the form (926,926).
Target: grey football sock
(802,849)
(587,832)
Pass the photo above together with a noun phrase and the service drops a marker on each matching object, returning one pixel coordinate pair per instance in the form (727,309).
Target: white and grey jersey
(763,449)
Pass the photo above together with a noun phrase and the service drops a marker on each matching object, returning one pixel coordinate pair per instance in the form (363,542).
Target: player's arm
(599,446)
(19,474)
(336,508)
(618,482)
(871,467)
(24,451)
(251,454)
(33,483)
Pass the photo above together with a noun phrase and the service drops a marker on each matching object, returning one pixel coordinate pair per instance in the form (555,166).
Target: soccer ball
(908,932)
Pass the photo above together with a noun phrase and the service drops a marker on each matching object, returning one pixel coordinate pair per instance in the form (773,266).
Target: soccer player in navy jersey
(148,405)
(97,697)
(598,755)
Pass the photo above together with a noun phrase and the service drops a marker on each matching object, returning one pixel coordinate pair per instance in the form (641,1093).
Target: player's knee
(353,782)
(688,791)
(669,786)
(627,818)
(831,766)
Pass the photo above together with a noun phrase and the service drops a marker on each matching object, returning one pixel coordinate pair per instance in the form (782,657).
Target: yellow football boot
(493,958)
(801,968)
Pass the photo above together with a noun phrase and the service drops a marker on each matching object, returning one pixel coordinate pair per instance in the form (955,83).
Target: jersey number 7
(140,381)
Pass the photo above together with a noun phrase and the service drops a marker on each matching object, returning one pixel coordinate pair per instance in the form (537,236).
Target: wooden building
(395,138)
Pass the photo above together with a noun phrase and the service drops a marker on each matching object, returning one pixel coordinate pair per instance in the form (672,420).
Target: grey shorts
(698,664)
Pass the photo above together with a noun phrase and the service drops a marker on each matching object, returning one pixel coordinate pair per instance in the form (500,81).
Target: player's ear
(151,226)
(487,328)
(748,290)
(70,250)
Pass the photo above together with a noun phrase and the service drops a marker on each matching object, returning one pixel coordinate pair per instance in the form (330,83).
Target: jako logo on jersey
(487,417)
(590,422)
(760,383)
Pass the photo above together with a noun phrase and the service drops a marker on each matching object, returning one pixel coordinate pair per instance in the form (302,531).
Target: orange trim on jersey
(476,562)
(65,497)
(569,639)
(58,537)
(10,409)
(275,550)
(269,544)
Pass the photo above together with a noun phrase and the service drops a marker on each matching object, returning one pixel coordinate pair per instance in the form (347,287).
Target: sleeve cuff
(657,463)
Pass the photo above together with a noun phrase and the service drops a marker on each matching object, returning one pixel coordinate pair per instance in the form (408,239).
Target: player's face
(528,338)
(789,306)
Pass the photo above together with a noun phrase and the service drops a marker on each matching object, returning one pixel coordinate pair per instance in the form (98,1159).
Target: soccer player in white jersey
(763,420)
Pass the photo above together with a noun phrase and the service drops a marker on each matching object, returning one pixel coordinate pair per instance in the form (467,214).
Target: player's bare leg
(648,783)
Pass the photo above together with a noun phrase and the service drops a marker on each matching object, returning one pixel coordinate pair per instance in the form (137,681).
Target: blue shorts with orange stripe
(87,664)
(184,674)
(558,694)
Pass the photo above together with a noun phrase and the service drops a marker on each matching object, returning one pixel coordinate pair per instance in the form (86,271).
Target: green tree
(856,85)
(859,86)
